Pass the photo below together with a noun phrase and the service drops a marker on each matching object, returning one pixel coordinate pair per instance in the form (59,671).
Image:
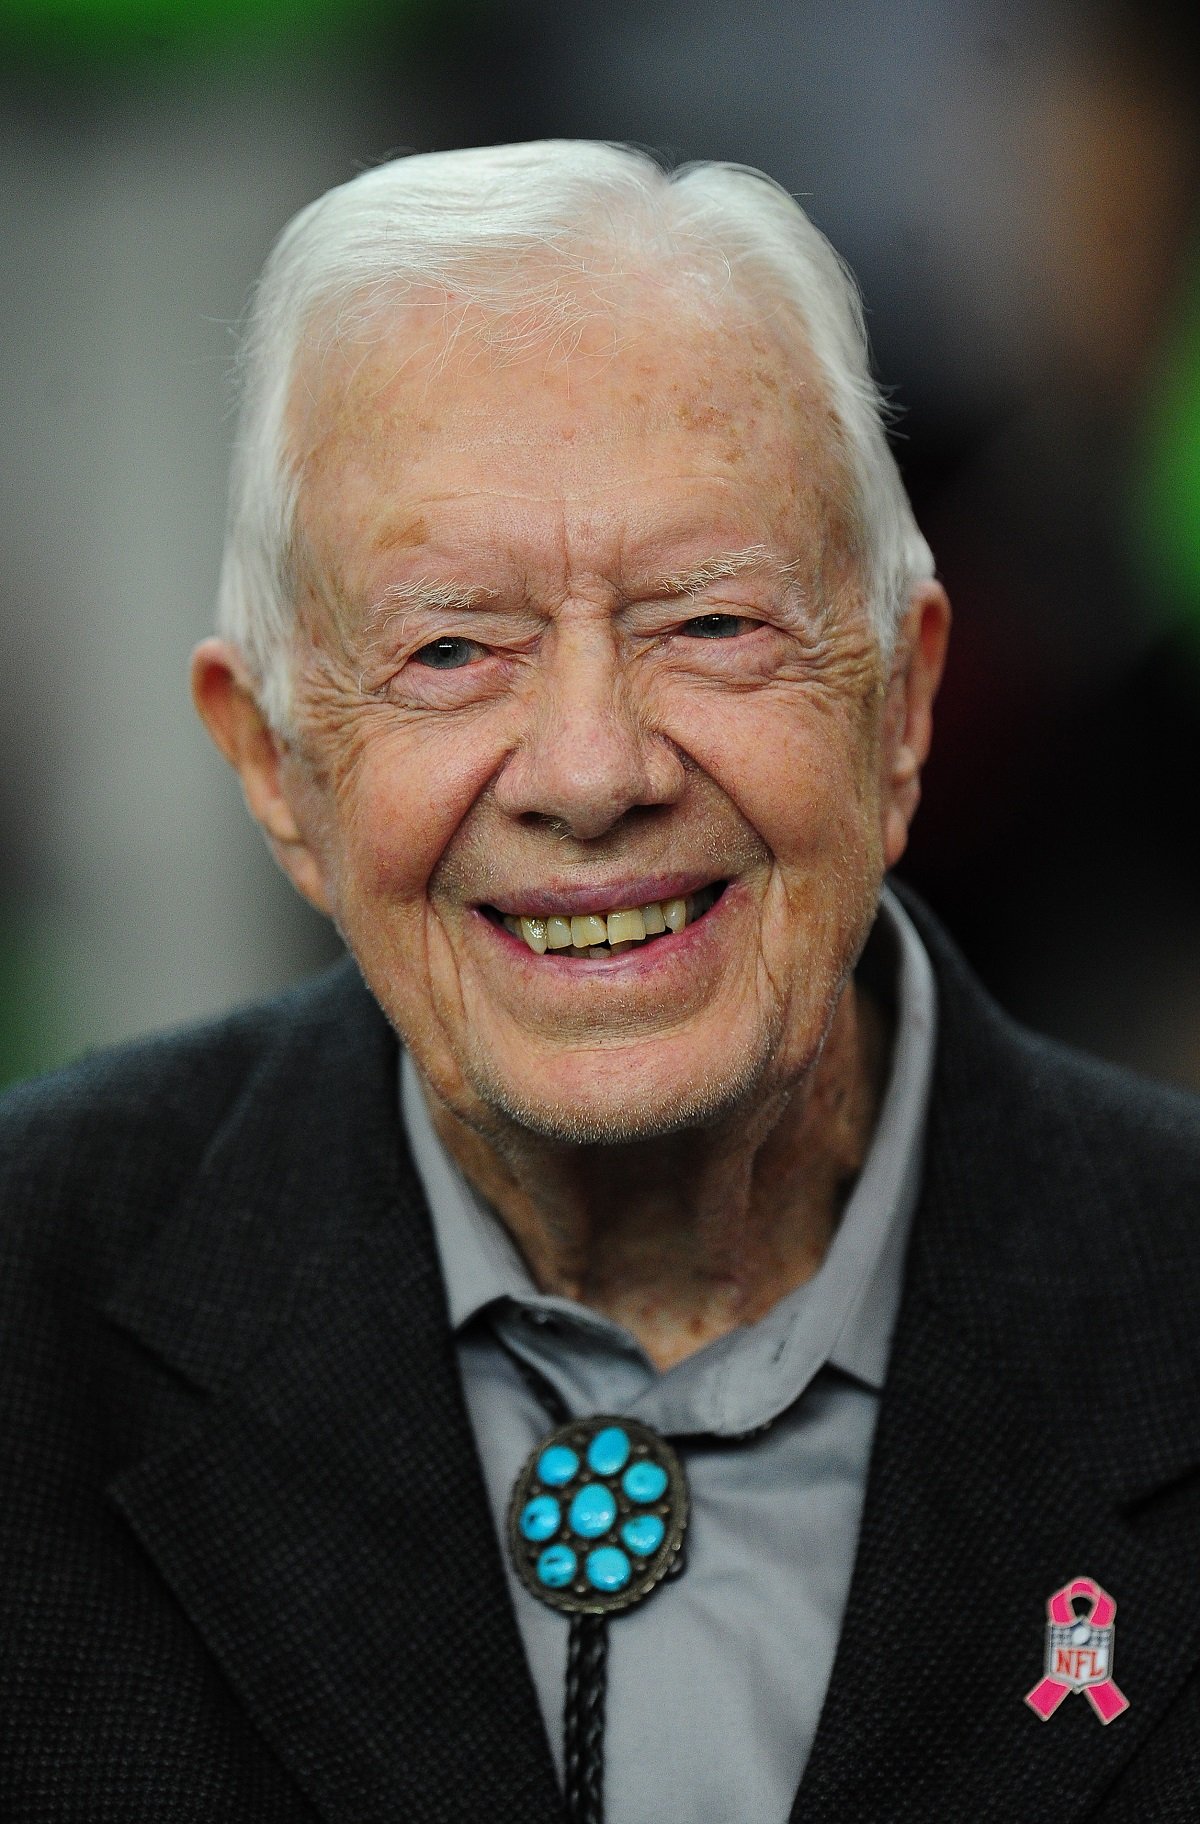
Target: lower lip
(646,959)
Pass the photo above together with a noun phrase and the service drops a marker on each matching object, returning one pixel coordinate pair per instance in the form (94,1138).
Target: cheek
(400,806)
(798,766)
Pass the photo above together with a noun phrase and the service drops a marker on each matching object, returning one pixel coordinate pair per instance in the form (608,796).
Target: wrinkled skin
(588,722)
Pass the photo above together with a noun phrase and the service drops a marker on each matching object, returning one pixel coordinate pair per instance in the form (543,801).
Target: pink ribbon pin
(1079,1654)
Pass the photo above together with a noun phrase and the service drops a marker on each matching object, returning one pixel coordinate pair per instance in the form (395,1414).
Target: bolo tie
(595,1523)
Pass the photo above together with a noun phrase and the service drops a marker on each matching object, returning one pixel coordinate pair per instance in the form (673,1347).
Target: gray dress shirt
(716,1681)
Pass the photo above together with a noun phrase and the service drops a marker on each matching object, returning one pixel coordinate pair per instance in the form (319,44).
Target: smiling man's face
(585,639)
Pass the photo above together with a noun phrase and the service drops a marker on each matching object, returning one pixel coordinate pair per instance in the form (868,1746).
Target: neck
(683,1239)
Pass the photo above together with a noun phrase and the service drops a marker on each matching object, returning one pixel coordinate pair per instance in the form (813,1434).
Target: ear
(224,693)
(916,672)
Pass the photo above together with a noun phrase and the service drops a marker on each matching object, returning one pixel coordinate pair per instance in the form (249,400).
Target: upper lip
(555,901)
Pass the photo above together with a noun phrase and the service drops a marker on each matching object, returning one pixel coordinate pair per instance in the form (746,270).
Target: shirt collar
(842,1317)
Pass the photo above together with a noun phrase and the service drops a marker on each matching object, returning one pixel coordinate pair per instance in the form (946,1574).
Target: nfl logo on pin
(1079,1653)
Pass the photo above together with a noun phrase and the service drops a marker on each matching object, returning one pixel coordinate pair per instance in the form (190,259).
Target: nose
(588,756)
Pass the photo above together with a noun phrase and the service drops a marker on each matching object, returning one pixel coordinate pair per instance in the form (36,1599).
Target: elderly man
(651,1337)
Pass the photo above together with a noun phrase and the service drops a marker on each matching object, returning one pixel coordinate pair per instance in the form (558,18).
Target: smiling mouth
(599,934)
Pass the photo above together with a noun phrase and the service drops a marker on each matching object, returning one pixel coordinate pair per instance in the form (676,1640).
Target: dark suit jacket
(247,1566)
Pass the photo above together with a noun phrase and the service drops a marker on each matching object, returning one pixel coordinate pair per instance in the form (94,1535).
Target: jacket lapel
(976,1512)
(323,1521)
(1002,1468)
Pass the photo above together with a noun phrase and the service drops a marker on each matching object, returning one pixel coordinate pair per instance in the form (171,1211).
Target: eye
(447,654)
(717,626)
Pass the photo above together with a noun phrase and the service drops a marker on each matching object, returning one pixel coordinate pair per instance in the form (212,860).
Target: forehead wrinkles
(365,413)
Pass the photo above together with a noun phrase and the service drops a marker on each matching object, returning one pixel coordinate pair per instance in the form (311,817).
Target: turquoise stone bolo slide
(598,1515)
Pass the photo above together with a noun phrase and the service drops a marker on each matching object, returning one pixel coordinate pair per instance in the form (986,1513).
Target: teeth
(533,930)
(592,934)
(588,930)
(624,926)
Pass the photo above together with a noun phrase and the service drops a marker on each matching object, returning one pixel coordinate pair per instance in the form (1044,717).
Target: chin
(618,1112)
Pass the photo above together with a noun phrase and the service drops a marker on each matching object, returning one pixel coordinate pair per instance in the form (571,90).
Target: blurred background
(1016,185)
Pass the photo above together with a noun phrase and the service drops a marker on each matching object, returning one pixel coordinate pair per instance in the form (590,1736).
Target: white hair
(536,229)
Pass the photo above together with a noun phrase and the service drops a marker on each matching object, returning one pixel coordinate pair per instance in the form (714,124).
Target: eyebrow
(400,599)
(727,564)
(422,594)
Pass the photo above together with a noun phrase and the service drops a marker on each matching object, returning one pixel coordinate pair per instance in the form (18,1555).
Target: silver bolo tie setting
(597,1516)
(595,1524)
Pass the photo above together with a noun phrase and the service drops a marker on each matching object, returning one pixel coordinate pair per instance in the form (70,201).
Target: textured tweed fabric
(247,1568)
